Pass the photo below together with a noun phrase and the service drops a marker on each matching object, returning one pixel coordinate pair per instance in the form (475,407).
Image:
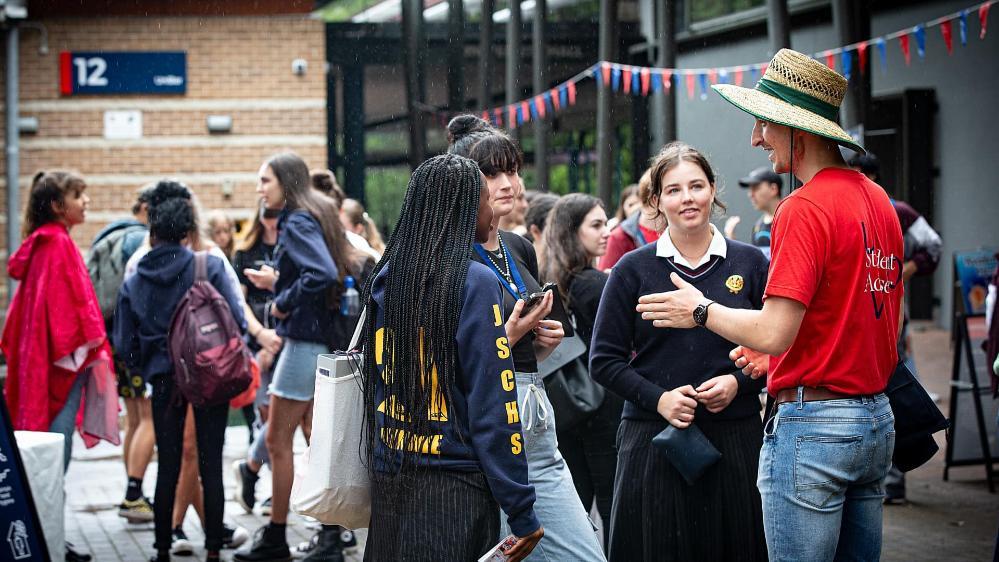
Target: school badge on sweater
(734,284)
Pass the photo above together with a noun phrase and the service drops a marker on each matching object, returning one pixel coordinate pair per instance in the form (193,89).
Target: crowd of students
(479,284)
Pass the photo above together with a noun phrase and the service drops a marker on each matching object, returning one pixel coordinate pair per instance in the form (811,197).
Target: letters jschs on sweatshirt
(479,430)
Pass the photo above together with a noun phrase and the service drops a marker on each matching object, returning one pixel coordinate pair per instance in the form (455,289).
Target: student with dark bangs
(569,532)
(445,445)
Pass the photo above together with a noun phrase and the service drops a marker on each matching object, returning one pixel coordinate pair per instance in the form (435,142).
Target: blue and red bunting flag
(946,30)
(983,18)
(919,32)
(882,54)
(639,80)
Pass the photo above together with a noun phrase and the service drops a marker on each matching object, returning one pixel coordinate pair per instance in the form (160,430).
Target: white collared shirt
(666,249)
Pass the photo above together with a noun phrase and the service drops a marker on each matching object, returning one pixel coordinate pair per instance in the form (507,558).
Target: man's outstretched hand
(752,363)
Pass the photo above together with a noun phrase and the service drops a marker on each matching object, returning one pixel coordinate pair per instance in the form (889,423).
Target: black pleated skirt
(436,516)
(657,516)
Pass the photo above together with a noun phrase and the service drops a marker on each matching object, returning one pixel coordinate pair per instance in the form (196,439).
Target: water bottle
(350,302)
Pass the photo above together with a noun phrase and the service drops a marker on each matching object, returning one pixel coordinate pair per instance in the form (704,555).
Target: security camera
(299,66)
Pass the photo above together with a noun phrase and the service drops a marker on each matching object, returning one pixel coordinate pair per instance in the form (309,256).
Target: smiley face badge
(735,284)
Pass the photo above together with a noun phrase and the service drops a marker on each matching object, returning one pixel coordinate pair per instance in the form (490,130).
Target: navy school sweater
(667,358)
(305,273)
(147,301)
(481,429)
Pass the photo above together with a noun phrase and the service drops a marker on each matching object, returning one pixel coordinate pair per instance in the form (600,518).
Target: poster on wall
(21,535)
(974,269)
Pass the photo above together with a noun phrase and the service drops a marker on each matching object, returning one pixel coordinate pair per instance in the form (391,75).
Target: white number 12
(96,65)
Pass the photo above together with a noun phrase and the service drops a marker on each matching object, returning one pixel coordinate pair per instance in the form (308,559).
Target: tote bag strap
(356,338)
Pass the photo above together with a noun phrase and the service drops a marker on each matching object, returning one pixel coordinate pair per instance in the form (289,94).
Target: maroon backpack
(210,360)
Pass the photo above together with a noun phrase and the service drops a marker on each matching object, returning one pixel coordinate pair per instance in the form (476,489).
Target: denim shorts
(294,375)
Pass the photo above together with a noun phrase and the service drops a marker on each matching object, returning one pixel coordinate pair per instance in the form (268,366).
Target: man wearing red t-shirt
(830,321)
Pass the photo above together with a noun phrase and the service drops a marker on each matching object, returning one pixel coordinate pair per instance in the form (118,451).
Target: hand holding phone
(533,299)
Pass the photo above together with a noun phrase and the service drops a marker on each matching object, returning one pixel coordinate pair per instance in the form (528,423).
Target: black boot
(74,555)
(328,546)
(269,544)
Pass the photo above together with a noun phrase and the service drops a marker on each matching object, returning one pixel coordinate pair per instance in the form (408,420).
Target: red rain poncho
(54,314)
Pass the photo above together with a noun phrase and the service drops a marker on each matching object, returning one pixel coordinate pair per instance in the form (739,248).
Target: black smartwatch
(701,313)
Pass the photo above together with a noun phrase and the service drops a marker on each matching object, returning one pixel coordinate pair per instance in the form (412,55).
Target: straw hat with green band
(796,91)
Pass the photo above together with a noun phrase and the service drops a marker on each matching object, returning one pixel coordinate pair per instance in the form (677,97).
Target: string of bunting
(643,80)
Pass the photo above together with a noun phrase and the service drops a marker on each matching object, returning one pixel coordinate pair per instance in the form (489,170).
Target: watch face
(700,315)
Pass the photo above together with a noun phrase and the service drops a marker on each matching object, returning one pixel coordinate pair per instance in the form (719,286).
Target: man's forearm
(744,327)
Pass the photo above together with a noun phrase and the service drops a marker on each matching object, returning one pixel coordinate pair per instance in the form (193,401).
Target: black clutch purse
(688,450)
(917,418)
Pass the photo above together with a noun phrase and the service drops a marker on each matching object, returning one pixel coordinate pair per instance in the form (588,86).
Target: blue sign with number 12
(122,72)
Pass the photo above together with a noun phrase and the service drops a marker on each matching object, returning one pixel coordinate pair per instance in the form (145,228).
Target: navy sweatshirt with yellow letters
(479,431)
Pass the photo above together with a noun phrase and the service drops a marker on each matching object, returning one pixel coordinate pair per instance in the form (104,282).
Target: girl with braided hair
(569,533)
(443,429)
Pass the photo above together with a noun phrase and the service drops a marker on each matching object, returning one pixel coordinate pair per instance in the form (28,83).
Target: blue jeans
(65,420)
(822,471)
(569,533)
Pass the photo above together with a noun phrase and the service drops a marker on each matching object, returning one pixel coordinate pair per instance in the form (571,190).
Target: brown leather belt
(810,395)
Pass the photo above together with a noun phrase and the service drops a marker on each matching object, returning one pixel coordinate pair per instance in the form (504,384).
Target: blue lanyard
(514,272)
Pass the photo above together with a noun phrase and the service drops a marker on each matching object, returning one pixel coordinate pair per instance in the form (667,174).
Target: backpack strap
(200,266)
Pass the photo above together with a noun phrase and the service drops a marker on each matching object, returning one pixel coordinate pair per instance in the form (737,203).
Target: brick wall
(237,66)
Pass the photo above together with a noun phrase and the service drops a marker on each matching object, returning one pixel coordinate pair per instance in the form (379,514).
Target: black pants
(432,516)
(169,411)
(591,455)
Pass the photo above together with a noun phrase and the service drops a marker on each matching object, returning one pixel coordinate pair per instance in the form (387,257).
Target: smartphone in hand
(498,552)
(534,299)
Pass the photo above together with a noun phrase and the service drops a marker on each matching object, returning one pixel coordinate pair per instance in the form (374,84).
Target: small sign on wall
(123,125)
(122,72)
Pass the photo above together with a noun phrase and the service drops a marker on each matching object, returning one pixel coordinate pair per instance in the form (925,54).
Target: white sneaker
(180,546)
(234,537)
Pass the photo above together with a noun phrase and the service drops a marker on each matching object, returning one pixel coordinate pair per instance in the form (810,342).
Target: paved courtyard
(954,520)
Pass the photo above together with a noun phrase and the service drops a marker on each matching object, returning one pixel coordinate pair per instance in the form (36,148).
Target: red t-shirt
(837,249)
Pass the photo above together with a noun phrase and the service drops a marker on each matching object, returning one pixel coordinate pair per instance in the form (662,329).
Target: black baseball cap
(763,174)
